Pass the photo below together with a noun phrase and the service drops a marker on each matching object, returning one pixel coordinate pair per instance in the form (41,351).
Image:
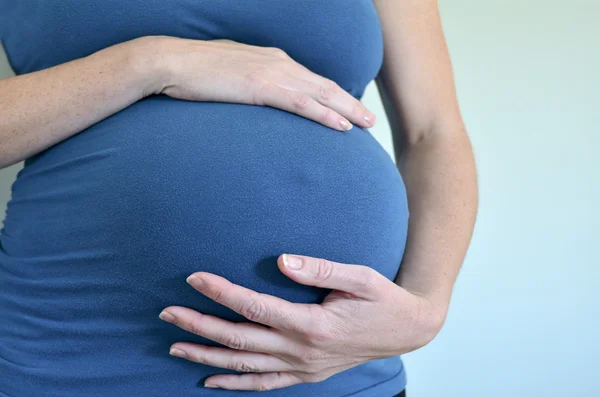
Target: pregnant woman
(224,143)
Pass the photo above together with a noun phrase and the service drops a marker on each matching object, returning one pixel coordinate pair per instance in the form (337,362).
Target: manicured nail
(212,386)
(168,317)
(345,125)
(292,262)
(195,281)
(178,353)
(369,118)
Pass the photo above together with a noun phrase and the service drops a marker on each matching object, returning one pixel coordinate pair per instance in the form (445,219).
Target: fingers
(301,104)
(242,361)
(291,86)
(329,94)
(359,280)
(239,336)
(258,382)
(256,307)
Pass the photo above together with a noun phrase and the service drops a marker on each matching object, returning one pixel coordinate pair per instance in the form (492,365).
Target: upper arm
(416,81)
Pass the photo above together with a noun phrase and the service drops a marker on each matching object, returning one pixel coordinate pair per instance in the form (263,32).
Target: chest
(338,39)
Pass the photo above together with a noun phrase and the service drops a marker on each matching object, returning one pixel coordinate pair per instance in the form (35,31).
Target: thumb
(358,280)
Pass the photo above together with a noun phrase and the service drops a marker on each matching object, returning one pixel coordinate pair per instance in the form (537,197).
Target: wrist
(148,59)
(434,302)
(429,317)
(434,315)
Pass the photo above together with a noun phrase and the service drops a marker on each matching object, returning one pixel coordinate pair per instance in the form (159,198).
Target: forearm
(432,148)
(40,109)
(440,178)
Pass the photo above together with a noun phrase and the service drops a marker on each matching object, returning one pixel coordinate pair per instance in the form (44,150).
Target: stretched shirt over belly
(104,227)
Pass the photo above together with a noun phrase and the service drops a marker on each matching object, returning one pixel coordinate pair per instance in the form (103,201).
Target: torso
(104,227)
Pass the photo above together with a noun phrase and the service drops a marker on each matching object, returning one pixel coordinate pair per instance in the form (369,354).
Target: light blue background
(526,309)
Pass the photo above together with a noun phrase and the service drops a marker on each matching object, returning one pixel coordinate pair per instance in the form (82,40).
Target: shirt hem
(381,386)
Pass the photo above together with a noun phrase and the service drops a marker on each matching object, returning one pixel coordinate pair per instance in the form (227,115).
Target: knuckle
(253,310)
(278,52)
(287,320)
(219,296)
(328,90)
(197,358)
(254,77)
(241,366)
(196,327)
(309,356)
(235,341)
(358,108)
(301,101)
(323,269)
(328,115)
(319,335)
(367,277)
(264,387)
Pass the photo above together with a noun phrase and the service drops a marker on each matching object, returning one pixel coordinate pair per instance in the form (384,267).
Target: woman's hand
(366,317)
(226,71)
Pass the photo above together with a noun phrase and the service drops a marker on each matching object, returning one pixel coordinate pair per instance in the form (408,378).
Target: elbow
(449,135)
(437,129)
(6,158)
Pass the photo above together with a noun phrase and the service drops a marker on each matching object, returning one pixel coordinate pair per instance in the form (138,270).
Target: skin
(366,317)
(42,108)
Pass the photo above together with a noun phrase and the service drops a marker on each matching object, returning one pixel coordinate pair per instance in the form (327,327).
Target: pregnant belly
(103,229)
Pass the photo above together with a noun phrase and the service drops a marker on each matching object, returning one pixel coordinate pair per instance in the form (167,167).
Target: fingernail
(178,353)
(212,386)
(195,281)
(168,317)
(345,125)
(292,262)
(369,118)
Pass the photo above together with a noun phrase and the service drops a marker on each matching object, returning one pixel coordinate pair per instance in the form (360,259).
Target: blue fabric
(104,227)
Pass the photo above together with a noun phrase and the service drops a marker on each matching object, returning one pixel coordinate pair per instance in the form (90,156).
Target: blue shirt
(104,227)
